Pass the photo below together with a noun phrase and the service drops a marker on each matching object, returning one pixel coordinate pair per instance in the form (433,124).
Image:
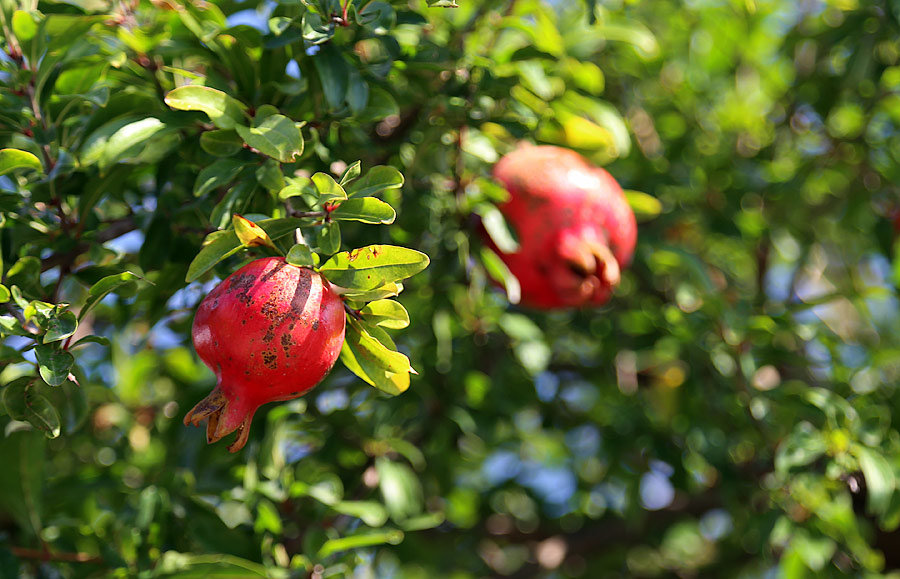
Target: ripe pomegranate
(271,331)
(576,230)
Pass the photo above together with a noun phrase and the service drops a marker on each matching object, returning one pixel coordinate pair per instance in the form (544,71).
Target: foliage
(730,411)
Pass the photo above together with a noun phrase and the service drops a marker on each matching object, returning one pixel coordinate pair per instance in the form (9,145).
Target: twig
(116,229)
(24,553)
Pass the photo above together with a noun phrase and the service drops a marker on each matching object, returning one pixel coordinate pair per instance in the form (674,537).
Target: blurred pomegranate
(576,230)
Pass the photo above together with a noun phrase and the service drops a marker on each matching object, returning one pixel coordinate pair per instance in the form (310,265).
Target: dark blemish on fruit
(269,309)
(286,342)
(243,322)
(270,359)
(246,372)
(243,283)
(216,303)
(270,334)
(315,325)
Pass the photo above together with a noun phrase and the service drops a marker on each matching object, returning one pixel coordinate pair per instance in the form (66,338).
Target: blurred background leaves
(729,412)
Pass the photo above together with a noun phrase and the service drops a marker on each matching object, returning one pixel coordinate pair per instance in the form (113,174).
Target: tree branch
(23,553)
(117,228)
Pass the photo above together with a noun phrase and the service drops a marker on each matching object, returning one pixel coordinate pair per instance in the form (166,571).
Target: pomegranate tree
(271,331)
(576,230)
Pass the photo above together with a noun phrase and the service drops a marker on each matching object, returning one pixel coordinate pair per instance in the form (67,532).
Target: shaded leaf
(300,255)
(221,142)
(54,364)
(104,287)
(219,174)
(60,326)
(880,481)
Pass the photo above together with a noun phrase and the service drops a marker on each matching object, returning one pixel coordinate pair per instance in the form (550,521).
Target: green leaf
(328,238)
(367,539)
(269,175)
(300,255)
(374,362)
(372,513)
(645,206)
(251,234)
(219,174)
(373,266)
(13,159)
(23,474)
(23,25)
(220,245)
(386,313)
(328,188)
(357,93)
(221,142)
(4,294)
(499,272)
(880,481)
(351,173)
(190,566)
(60,327)
(277,136)
(9,325)
(423,522)
(129,141)
(497,228)
(801,447)
(224,111)
(400,488)
(377,179)
(366,210)
(90,340)
(816,552)
(386,291)
(54,364)
(104,287)
(334,74)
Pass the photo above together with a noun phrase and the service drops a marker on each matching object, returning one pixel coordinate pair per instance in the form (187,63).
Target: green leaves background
(745,370)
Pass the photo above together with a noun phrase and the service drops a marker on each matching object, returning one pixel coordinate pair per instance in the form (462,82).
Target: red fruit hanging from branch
(576,230)
(271,331)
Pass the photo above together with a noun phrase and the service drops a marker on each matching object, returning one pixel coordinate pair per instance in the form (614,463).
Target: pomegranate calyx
(223,418)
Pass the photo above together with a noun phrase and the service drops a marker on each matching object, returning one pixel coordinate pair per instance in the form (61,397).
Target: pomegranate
(271,331)
(576,230)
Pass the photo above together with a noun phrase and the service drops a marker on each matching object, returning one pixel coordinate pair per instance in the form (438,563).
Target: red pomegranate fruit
(576,230)
(271,331)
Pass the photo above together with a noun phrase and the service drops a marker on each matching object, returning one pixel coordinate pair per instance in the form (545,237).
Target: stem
(308,214)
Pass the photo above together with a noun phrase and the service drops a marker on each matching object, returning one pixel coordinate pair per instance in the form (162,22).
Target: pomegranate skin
(270,331)
(576,230)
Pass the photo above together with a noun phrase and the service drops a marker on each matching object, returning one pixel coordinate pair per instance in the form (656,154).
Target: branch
(117,228)
(24,553)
